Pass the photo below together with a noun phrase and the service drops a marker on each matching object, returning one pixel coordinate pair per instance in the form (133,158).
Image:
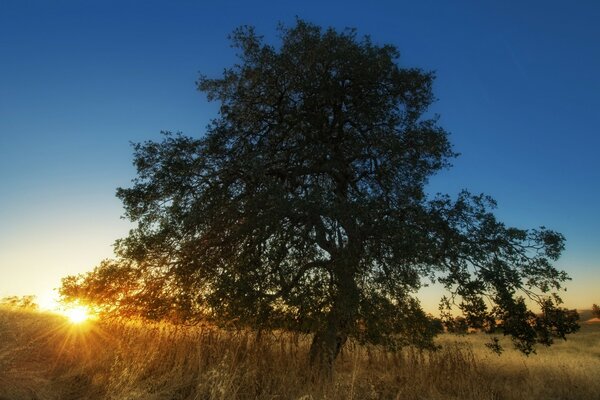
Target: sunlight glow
(77,314)
(49,301)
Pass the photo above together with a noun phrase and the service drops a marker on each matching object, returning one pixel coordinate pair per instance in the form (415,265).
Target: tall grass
(44,357)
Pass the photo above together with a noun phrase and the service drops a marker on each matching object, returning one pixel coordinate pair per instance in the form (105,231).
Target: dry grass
(43,357)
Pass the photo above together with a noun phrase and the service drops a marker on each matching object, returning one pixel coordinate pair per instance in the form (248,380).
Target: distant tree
(596,310)
(304,207)
(457,325)
(25,302)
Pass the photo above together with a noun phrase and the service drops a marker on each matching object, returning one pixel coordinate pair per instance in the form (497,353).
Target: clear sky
(518,86)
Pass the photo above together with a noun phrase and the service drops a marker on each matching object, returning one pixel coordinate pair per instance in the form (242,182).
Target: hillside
(585,315)
(42,356)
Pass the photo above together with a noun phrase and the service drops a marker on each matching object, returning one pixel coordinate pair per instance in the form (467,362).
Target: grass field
(42,356)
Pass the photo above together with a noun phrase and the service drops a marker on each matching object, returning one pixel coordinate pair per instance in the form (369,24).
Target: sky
(517,86)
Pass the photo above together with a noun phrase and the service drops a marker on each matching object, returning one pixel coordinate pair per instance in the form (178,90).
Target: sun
(77,314)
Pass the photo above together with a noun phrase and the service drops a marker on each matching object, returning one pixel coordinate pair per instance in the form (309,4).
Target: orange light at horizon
(77,314)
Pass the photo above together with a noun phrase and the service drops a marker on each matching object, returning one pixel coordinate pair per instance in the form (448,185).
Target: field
(42,356)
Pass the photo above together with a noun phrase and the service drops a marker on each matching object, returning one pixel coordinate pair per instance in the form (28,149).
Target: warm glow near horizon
(75,313)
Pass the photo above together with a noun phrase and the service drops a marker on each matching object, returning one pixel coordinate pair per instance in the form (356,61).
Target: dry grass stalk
(42,357)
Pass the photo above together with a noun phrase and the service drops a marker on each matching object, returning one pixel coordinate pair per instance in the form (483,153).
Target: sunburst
(77,314)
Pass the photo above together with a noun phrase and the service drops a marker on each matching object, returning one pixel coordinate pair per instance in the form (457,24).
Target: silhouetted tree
(596,310)
(304,207)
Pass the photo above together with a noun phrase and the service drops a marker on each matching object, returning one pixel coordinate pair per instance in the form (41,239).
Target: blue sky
(517,86)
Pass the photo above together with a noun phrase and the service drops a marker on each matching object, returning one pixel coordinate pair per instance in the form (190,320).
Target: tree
(304,207)
(596,310)
(26,302)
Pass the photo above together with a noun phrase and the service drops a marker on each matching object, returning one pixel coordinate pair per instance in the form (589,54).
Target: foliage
(121,288)
(596,310)
(25,302)
(304,207)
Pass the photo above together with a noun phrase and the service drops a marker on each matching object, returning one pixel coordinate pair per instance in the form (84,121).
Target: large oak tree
(304,207)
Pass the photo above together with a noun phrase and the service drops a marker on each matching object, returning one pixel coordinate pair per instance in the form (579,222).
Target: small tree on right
(596,310)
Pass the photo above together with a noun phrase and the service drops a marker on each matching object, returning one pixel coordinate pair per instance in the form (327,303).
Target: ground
(43,356)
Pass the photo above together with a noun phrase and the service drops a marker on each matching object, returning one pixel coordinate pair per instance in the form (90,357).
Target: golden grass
(42,356)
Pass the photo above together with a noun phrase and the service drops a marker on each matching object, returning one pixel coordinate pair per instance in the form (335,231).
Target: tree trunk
(329,340)
(326,346)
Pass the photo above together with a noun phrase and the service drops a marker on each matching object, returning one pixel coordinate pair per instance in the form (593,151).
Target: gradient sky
(518,87)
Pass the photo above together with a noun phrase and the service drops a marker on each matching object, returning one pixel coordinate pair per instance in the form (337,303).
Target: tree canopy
(304,207)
